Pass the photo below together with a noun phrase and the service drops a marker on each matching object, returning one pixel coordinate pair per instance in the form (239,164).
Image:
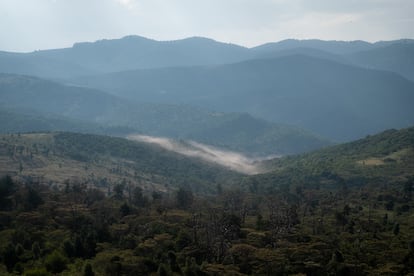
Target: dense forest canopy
(344,210)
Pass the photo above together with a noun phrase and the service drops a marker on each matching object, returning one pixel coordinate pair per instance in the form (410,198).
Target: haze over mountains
(338,101)
(50,106)
(135,52)
(278,98)
(195,157)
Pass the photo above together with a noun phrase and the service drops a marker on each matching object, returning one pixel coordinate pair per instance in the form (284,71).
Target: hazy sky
(27,25)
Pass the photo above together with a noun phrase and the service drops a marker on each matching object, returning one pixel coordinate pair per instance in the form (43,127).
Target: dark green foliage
(119,191)
(408,188)
(88,270)
(310,219)
(69,249)
(389,205)
(36,250)
(191,268)
(184,198)
(32,199)
(19,250)
(114,267)
(125,209)
(55,262)
(162,271)
(84,243)
(37,272)
(9,256)
(260,223)
(156,195)
(183,240)
(172,259)
(138,199)
(396,229)
(346,165)
(7,188)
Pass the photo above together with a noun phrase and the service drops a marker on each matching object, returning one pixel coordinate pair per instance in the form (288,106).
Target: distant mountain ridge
(339,101)
(136,52)
(337,89)
(50,106)
(332,46)
(131,52)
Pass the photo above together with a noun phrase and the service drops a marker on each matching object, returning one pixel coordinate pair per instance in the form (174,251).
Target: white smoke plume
(232,160)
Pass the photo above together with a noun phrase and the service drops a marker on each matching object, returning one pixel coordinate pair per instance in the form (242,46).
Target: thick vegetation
(312,215)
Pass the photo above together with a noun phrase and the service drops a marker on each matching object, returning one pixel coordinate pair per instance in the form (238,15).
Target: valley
(135,156)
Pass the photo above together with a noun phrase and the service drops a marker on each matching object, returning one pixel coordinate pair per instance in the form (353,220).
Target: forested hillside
(60,158)
(227,138)
(344,210)
(383,159)
(164,203)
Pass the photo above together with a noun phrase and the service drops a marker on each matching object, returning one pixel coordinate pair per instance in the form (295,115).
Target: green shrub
(55,262)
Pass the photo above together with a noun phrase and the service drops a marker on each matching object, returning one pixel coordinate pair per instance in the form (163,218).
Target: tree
(183,240)
(55,262)
(69,249)
(37,272)
(138,199)
(191,268)
(85,243)
(408,189)
(7,188)
(243,256)
(125,210)
(396,229)
(32,200)
(9,257)
(36,250)
(88,270)
(162,271)
(184,198)
(173,262)
(119,191)
(156,196)
(19,250)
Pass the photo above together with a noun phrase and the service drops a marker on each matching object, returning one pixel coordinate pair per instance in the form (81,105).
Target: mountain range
(33,104)
(338,101)
(195,157)
(135,52)
(201,89)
